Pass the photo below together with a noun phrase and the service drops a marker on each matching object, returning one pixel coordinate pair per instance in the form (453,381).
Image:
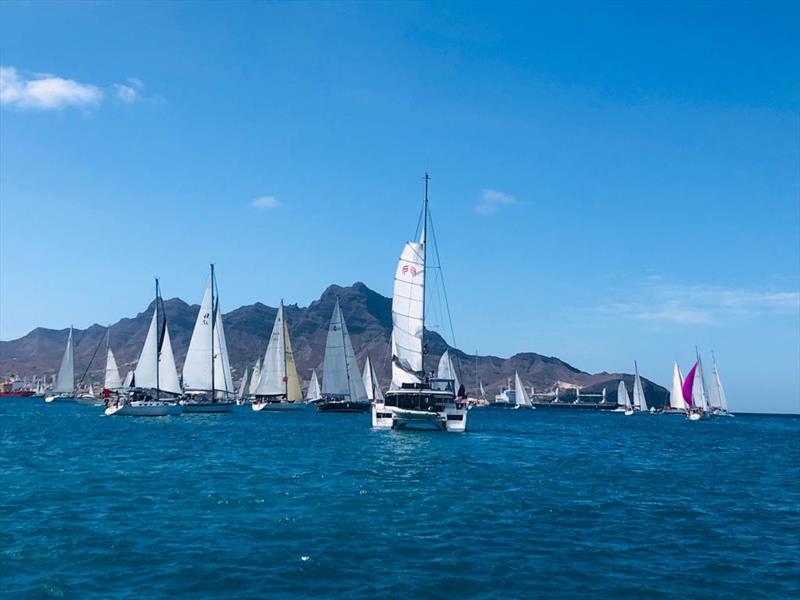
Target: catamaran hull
(60,398)
(145,409)
(208,407)
(391,417)
(278,406)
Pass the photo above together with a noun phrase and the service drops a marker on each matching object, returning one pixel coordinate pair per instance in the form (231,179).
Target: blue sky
(610,182)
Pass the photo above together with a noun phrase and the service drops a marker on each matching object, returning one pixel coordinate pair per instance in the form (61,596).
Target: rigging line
(441,277)
(90,361)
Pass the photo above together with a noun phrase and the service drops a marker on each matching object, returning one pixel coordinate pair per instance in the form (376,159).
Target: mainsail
(408,309)
(65,380)
(313,388)
(374,393)
(243,384)
(622,395)
(676,395)
(198,364)
(112,379)
(519,391)
(340,376)
(279,373)
(156,369)
(716,393)
(447,370)
(638,391)
(699,388)
(223,380)
(254,378)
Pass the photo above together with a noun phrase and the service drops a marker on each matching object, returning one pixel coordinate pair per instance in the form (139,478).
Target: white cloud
(491,200)
(45,92)
(265,203)
(702,304)
(129,92)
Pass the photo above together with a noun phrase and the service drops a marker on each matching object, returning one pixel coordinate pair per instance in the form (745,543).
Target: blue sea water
(544,503)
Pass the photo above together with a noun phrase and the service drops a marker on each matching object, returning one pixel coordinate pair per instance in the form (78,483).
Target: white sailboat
(278,386)
(207,381)
(243,387)
(313,395)
(521,394)
(155,386)
(639,401)
(342,386)
(64,387)
(676,404)
(374,393)
(624,400)
(414,400)
(716,392)
(112,380)
(699,396)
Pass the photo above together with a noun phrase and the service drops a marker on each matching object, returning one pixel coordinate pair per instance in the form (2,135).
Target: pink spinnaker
(688,383)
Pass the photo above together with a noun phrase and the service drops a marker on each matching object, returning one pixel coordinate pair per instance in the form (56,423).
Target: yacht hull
(145,409)
(60,398)
(343,406)
(277,406)
(208,407)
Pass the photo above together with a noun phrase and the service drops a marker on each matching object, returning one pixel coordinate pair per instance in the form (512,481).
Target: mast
(285,366)
(424,265)
(158,343)
(213,319)
(344,350)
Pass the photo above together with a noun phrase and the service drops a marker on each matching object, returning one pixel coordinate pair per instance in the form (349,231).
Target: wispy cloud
(43,91)
(492,200)
(265,203)
(701,304)
(46,92)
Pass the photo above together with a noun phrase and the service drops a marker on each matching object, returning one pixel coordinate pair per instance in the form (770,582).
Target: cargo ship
(12,386)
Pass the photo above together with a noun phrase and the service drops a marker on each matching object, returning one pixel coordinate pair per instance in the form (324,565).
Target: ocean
(546,503)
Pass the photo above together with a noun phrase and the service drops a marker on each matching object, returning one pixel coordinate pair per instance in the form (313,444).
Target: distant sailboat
(342,386)
(112,379)
(447,370)
(693,412)
(207,377)
(623,399)
(523,400)
(639,402)
(313,395)
(278,387)
(677,406)
(256,375)
(243,387)
(716,392)
(64,387)
(374,393)
(414,400)
(699,395)
(155,378)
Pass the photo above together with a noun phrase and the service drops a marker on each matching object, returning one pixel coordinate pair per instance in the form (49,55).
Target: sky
(610,182)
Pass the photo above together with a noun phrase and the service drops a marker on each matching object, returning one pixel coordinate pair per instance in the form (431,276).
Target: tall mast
(213,318)
(424,266)
(158,344)
(285,366)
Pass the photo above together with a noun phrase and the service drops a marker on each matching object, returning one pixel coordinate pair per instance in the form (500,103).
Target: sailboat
(699,396)
(716,392)
(155,386)
(64,387)
(374,393)
(278,386)
(313,395)
(693,412)
(243,387)
(677,406)
(342,386)
(624,400)
(207,381)
(523,400)
(415,400)
(639,402)
(112,380)
(447,370)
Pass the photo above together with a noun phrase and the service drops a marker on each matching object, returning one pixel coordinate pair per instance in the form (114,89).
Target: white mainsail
(699,388)
(112,380)
(374,393)
(638,391)
(676,395)
(340,376)
(223,380)
(243,384)
(279,373)
(254,378)
(447,370)
(313,388)
(408,300)
(622,395)
(716,392)
(65,380)
(154,370)
(128,379)
(519,391)
(198,364)
(167,371)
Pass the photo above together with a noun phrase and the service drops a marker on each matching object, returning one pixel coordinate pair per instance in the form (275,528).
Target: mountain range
(247,328)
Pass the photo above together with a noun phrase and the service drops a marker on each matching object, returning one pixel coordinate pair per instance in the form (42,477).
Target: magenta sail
(688,383)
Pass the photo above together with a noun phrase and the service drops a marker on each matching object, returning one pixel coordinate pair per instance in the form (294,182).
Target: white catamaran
(374,393)
(342,385)
(624,400)
(207,381)
(64,387)
(414,400)
(278,387)
(155,387)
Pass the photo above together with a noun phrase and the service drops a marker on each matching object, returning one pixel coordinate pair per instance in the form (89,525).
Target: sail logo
(412,269)
(205,318)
